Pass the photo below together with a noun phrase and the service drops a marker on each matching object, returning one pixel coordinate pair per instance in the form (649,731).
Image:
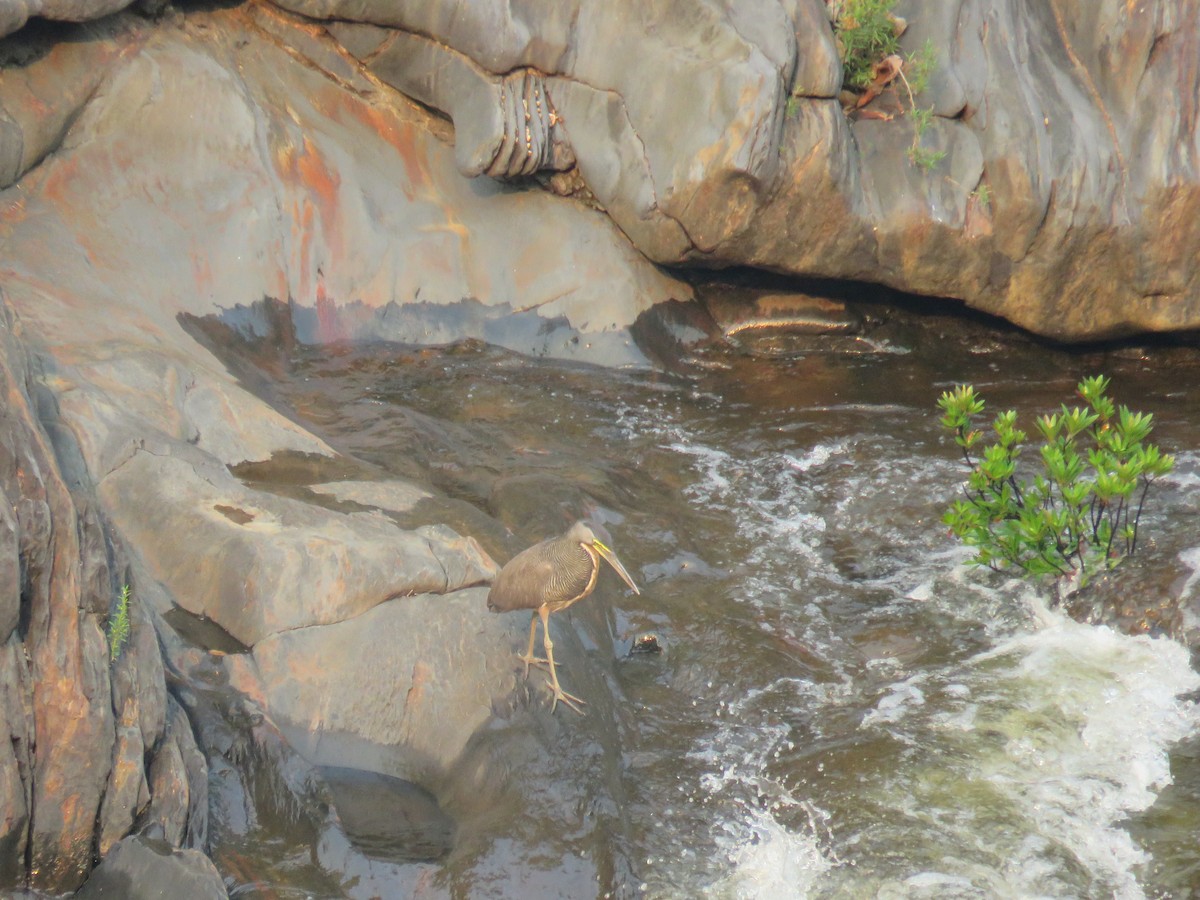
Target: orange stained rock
(315,212)
(399,134)
(59,185)
(318,177)
(243,676)
(202,272)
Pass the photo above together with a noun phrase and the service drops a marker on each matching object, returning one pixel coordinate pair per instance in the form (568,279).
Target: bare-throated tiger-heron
(549,577)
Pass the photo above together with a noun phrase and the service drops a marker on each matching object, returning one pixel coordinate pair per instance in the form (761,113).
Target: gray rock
(167,815)
(818,67)
(140,868)
(363,693)
(40,99)
(128,791)
(1058,204)
(138,678)
(271,563)
(16,747)
(504,126)
(62,692)
(15,13)
(10,570)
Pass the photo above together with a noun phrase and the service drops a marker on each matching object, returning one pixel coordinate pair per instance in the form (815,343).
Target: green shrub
(1081,512)
(869,39)
(118,625)
(867,33)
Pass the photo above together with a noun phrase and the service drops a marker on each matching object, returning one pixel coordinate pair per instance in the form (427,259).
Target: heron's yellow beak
(611,558)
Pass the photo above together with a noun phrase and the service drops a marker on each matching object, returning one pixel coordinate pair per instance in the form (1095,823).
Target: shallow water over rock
(838,707)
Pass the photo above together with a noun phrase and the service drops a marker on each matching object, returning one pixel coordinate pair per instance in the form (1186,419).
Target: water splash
(1014,758)
(1052,738)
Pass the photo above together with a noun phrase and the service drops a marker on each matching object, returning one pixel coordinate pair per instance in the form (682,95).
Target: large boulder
(141,868)
(150,228)
(1067,199)
(345,205)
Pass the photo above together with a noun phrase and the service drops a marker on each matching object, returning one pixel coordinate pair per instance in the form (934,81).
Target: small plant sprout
(983,195)
(918,67)
(1081,512)
(918,155)
(118,625)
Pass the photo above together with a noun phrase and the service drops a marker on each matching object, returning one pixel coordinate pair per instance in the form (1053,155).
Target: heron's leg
(559,694)
(529,657)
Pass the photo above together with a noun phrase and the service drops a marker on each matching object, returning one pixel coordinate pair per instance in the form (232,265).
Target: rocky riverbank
(178,182)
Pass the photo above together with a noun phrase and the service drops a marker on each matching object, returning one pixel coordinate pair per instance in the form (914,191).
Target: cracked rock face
(1067,200)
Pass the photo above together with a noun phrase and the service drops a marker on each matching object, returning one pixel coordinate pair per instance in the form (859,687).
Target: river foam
(1014,763)
(1028,758)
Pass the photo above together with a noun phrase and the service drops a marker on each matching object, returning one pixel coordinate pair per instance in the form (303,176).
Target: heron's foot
(567,699)
(533,661)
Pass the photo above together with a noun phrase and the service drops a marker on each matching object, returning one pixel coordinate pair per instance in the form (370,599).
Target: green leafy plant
(1081,512)
(918,155)
(983,195)
(919,66)
(867,32)
(869,40)
(118,625)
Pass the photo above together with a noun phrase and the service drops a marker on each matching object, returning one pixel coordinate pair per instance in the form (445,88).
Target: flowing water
(842,707)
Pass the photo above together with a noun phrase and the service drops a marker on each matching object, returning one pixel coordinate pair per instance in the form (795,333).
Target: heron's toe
(568,700)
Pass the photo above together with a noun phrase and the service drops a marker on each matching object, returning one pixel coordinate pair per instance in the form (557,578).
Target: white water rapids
(1002,767)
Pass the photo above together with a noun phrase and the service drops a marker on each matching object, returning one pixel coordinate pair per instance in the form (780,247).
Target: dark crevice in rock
(36,40)
(875,300)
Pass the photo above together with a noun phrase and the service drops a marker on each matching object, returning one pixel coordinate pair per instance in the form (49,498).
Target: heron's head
(585,534)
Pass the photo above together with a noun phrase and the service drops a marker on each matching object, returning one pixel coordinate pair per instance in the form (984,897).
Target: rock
(66,695)
(772,312)
(14,14)
(409,707)
(128,791)
(273,563)
(10,569)
(168,810)
(140,868)
(505,126)
(818,66)
(16,767)
(138,678)
(1057,204)
(194,763)
(389,818)
(41,98)
(715,139)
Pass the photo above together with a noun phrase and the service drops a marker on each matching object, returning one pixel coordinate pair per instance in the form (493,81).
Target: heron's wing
(523,583)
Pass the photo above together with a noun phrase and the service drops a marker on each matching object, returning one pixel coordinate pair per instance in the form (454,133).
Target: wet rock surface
(146,869)
(125,431)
